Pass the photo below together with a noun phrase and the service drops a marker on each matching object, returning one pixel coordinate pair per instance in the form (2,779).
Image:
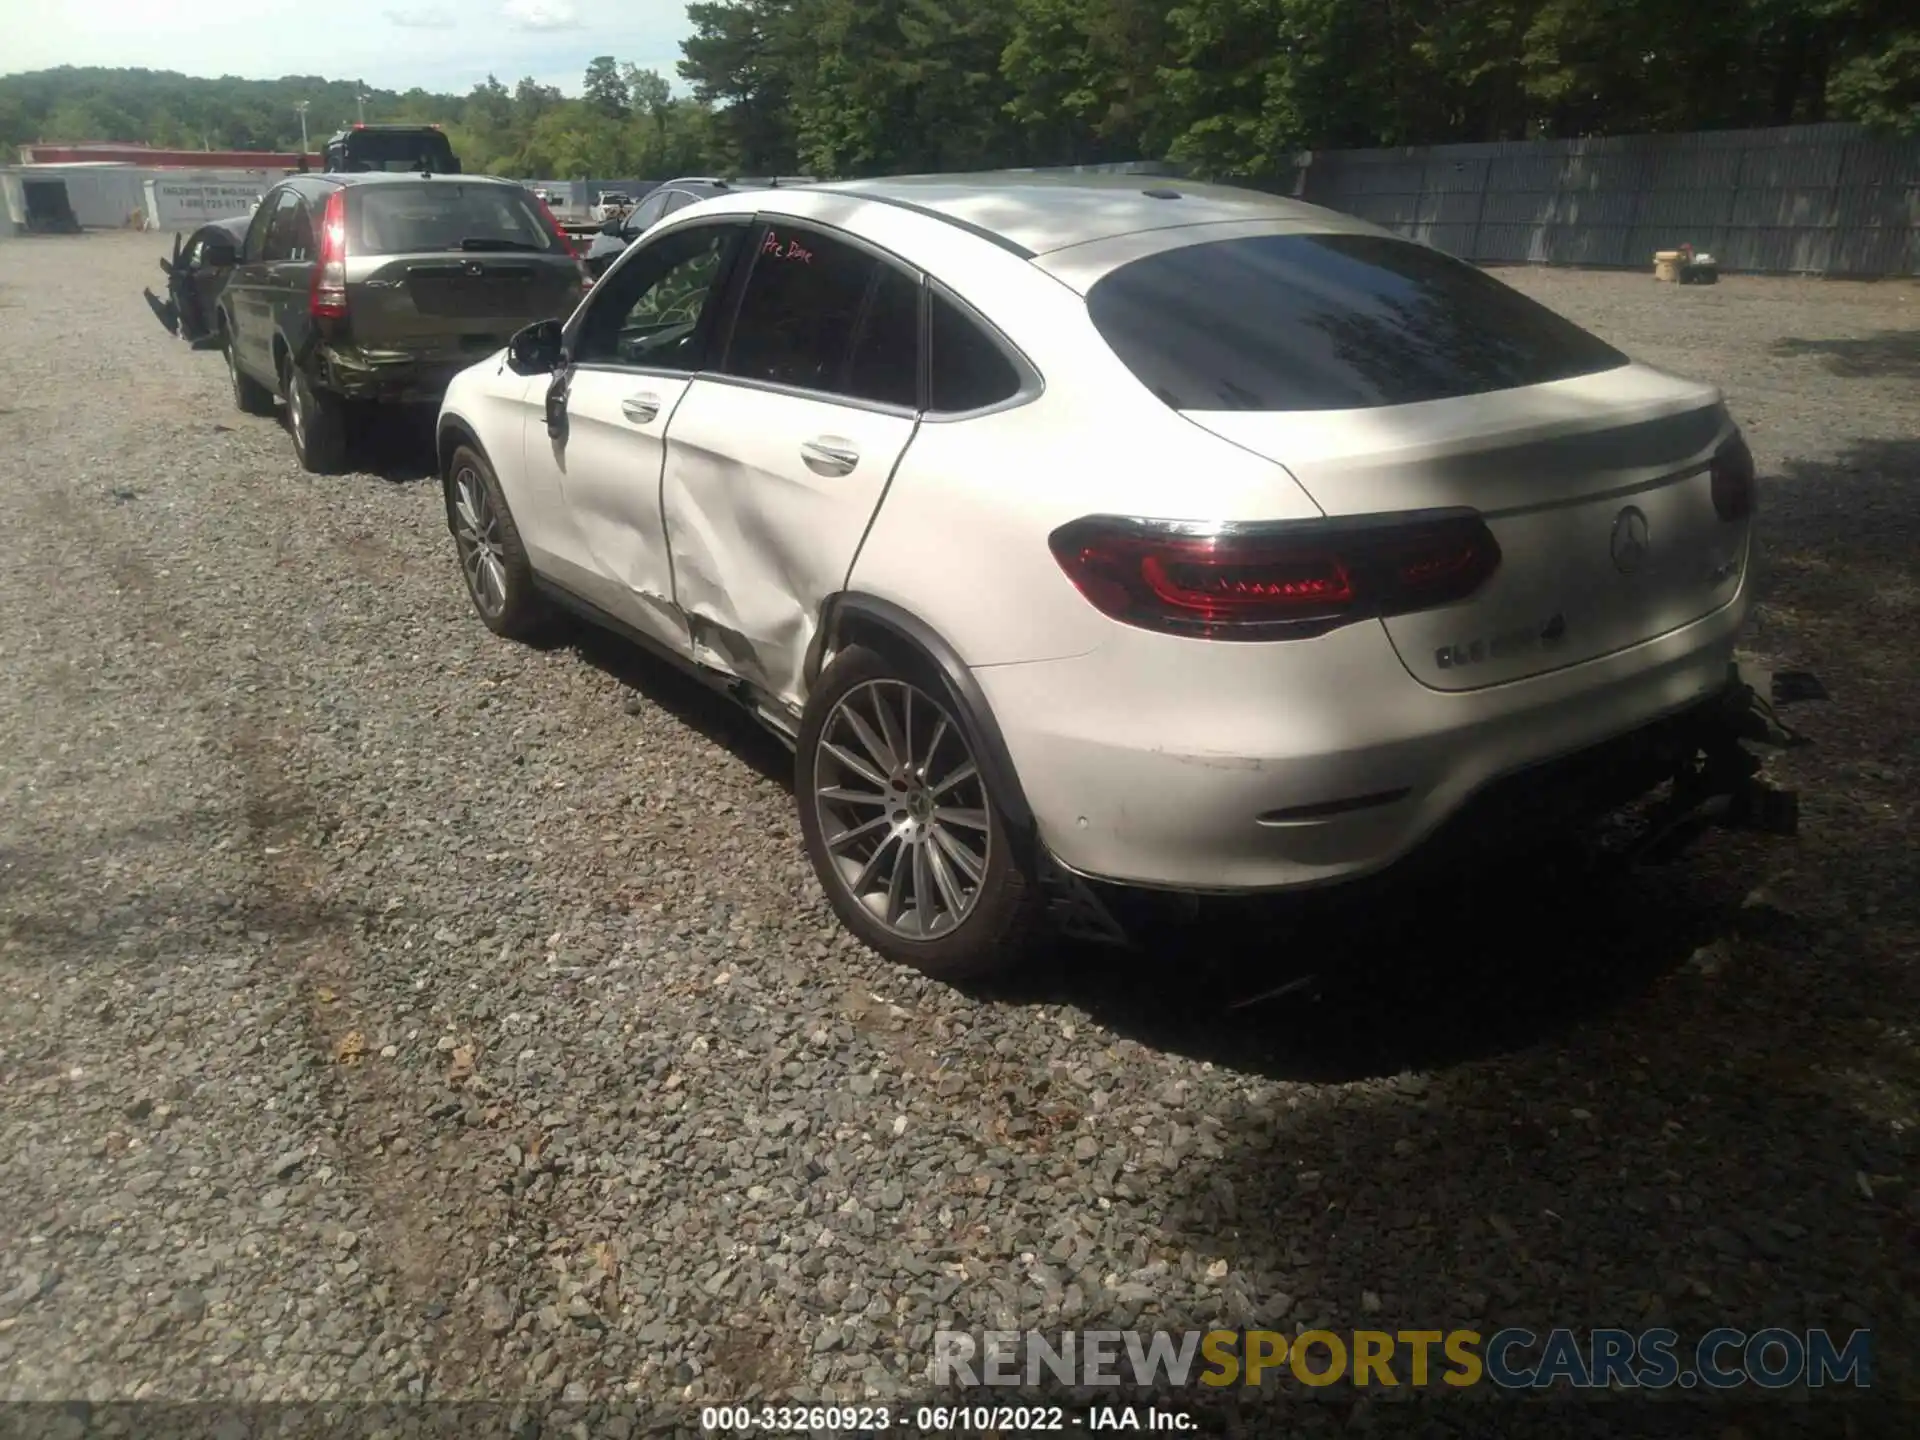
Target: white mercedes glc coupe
(1083,534)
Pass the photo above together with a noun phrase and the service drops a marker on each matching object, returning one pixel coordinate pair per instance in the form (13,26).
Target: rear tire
(493,560)
(903,833)
(249,395)
(317,420)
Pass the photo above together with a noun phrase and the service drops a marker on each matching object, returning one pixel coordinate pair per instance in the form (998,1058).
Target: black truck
(418,148)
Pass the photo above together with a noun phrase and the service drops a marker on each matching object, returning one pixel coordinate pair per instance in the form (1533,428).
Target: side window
(648,311)
(970,371)
(676,200)
(263,214)
(283,229)
(884,364)
(303,243)
(802,307)
(645,213)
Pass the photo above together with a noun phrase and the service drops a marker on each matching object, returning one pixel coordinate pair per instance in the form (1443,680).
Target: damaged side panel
(767,497)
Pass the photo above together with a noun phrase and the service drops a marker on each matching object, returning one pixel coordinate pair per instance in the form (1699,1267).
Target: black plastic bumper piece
(1719,784)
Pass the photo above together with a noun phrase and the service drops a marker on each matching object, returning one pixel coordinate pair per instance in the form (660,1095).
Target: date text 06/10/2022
(1005,1420)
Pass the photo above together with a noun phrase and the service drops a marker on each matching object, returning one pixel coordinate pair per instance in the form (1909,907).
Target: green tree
(745,58)
(1882,89)
(1084,76)
(604,86)
(531,100)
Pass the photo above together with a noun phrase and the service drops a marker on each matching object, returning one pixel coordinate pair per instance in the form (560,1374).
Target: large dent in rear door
(759,536)
(741,586)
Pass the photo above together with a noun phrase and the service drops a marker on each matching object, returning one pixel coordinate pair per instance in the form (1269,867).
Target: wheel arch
(852,617)
(449,434)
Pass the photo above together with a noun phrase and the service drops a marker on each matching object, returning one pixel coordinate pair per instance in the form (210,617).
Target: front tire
(493,561)
(901,828)
(317,420)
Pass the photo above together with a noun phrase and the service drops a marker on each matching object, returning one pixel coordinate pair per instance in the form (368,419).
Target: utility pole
(361,100)
(301,106)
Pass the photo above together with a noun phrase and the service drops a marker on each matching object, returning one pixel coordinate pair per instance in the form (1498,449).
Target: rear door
(777,461)
(450,269)
(249,293)
(292,248)
(1386,377)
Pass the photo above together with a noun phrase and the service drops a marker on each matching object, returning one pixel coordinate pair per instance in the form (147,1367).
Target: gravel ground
(387,1011)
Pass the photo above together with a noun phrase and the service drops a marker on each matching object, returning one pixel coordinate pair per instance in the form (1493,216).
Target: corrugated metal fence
(1803,199)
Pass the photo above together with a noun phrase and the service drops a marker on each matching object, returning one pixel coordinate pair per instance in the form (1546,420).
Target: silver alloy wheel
(903,812)
(477,536)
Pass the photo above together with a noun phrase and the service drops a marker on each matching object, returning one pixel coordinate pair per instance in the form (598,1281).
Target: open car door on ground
(200,265)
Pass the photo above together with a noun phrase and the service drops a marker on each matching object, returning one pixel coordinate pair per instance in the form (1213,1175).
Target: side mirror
(536,349)
(216,255)
(612,226)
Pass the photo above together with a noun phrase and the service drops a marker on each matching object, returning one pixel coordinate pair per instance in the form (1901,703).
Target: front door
(778,457)
(633,351)
(195,282)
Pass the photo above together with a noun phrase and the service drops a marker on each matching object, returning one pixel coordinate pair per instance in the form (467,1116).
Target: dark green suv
(380,288)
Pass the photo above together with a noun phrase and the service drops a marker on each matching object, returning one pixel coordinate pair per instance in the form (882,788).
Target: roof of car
(1039,213)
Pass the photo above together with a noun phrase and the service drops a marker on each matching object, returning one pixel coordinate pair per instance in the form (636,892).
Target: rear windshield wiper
(478,242)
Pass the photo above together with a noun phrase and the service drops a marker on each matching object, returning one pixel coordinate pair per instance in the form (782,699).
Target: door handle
(640,409)
(829,455)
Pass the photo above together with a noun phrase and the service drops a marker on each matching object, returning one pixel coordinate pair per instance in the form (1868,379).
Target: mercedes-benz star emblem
(1631,540)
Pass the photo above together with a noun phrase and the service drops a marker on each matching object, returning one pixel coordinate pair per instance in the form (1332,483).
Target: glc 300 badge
(1499,647)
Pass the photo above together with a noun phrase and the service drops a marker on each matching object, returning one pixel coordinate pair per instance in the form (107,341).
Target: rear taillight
(559,232)
(328,298)
(1274,582)
(1733,479)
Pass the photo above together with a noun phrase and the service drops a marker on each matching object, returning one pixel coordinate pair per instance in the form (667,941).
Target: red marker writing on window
(785,250)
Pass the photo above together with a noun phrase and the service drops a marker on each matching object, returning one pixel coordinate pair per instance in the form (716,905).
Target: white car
(1072,531)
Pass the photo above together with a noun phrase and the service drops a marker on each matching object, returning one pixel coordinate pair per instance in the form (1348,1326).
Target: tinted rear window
(1329,322)
(404,219)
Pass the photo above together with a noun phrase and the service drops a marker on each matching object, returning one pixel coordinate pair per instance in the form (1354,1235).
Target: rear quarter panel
(960,538)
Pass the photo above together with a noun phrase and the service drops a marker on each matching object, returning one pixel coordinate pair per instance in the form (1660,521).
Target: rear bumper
(1206,772)
(392,379)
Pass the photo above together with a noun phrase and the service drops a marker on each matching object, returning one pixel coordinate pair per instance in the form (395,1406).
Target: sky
(439,45)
